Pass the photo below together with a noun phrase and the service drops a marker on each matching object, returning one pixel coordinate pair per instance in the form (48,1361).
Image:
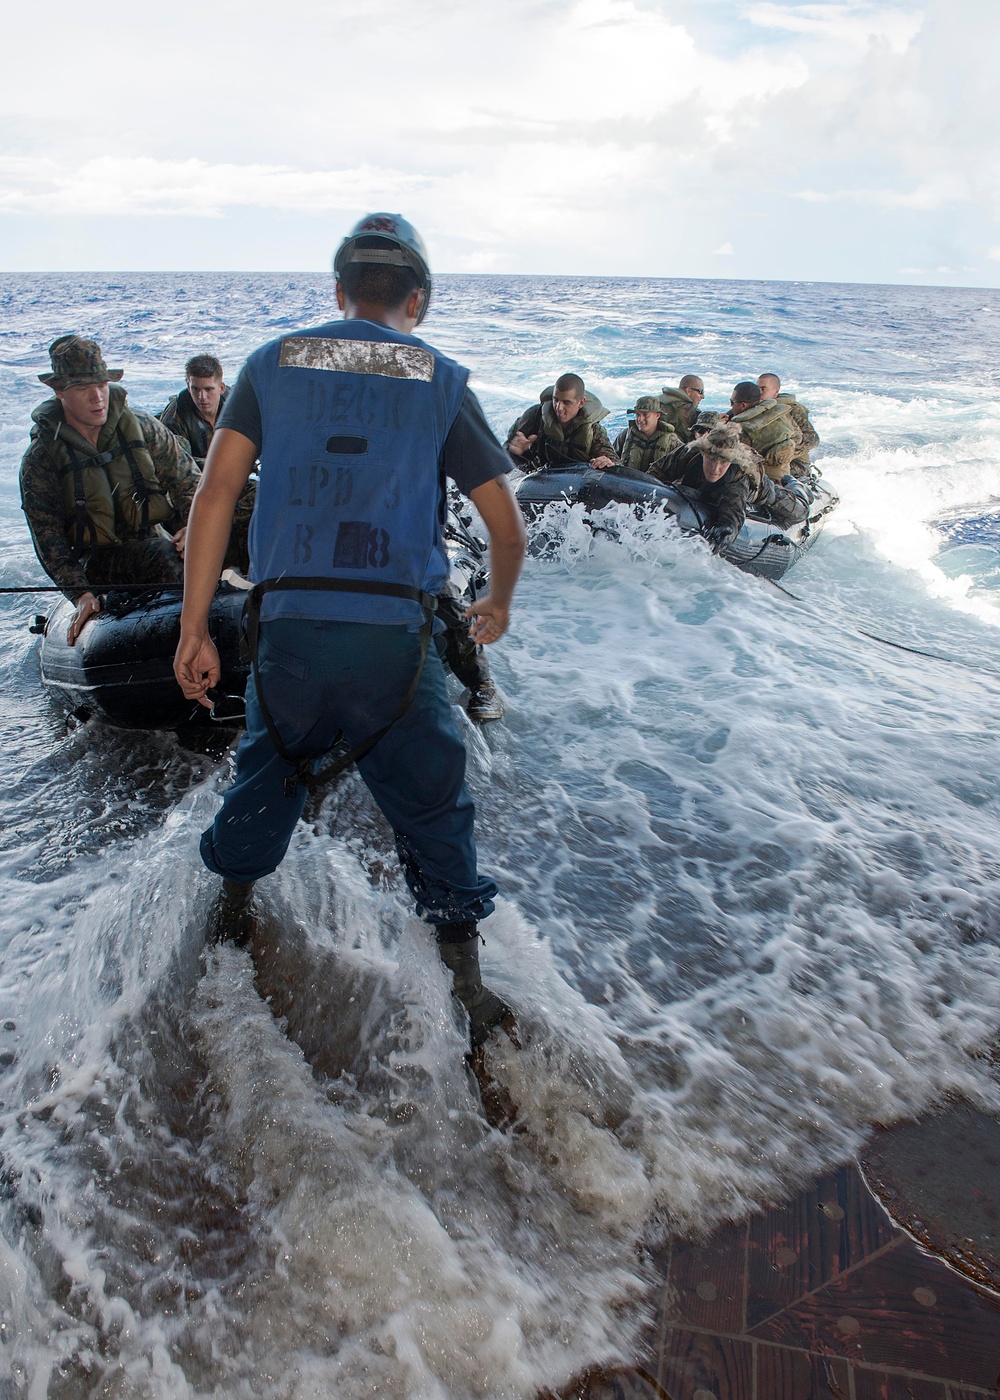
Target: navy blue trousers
(319,678)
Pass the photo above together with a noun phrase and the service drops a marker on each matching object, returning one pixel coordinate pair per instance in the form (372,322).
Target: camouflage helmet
(706,419)
(76,360)
(389,240)
(649,403)
(724,442)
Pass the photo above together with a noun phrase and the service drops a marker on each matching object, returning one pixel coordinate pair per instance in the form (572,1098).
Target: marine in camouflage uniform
(705,421)
(770,389)
(730,481)
(767,427)
(102,500)
(185,420)
(679,406)
(553,443)
(648,437)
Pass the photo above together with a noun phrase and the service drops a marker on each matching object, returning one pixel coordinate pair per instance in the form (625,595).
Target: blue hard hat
(399,245)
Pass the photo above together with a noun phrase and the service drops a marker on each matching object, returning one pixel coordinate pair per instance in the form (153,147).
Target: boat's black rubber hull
(761,547)
(121,667)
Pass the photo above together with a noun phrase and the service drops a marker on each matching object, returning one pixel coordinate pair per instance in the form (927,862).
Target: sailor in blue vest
(357,425)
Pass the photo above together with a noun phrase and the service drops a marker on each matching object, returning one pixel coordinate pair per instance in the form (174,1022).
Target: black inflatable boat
(761,547)
(121,668)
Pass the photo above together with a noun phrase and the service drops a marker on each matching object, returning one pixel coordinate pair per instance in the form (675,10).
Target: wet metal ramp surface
(823,1298)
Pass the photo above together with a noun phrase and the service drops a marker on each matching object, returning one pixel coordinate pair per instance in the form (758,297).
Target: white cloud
(933,193)
(595,135)
(145,186)
(943,270)
(446,71)
(852,23)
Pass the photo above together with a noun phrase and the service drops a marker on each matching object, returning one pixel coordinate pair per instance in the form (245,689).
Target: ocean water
(749,851)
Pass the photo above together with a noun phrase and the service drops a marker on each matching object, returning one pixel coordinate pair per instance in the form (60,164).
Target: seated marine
(705,421)
(562,428)
(106,489)
(770,388)
(729,481)
(648,436)
(766,426)
(680,406)
(192,414)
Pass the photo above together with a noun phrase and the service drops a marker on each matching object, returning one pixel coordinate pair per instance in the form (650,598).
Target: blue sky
(838,140)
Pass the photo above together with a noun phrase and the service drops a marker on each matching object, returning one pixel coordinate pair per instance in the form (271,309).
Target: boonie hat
(649,403)
(76,360)
(724,442)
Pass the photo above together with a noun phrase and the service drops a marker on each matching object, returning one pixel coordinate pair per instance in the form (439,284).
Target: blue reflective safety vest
(354,419)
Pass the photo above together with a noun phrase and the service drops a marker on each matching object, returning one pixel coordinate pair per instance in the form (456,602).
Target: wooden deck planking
(698,1366)
(880,1385)
(708,1283)
(903,1310)
(824,1233)
(820,1299)
(795,1375)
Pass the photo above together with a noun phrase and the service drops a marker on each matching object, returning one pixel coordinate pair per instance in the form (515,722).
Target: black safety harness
(86,533)
(302,775)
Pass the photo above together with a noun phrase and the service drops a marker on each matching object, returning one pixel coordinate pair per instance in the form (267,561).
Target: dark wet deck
(820,1299)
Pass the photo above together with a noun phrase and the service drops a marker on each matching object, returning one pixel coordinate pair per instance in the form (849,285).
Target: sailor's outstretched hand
(196,666)
(488,620)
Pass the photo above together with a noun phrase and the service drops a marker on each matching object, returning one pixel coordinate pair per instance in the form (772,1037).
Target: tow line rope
(858,632)
(103,588)
(885,641)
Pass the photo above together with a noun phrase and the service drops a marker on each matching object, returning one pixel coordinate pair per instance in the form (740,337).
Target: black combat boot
(458,944)
(485,703)
(231,917)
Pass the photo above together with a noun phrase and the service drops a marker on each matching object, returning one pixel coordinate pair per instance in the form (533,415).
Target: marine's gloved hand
(720,537)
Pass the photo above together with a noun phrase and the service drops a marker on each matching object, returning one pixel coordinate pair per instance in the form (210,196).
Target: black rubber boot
(458,944)
(231,917)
